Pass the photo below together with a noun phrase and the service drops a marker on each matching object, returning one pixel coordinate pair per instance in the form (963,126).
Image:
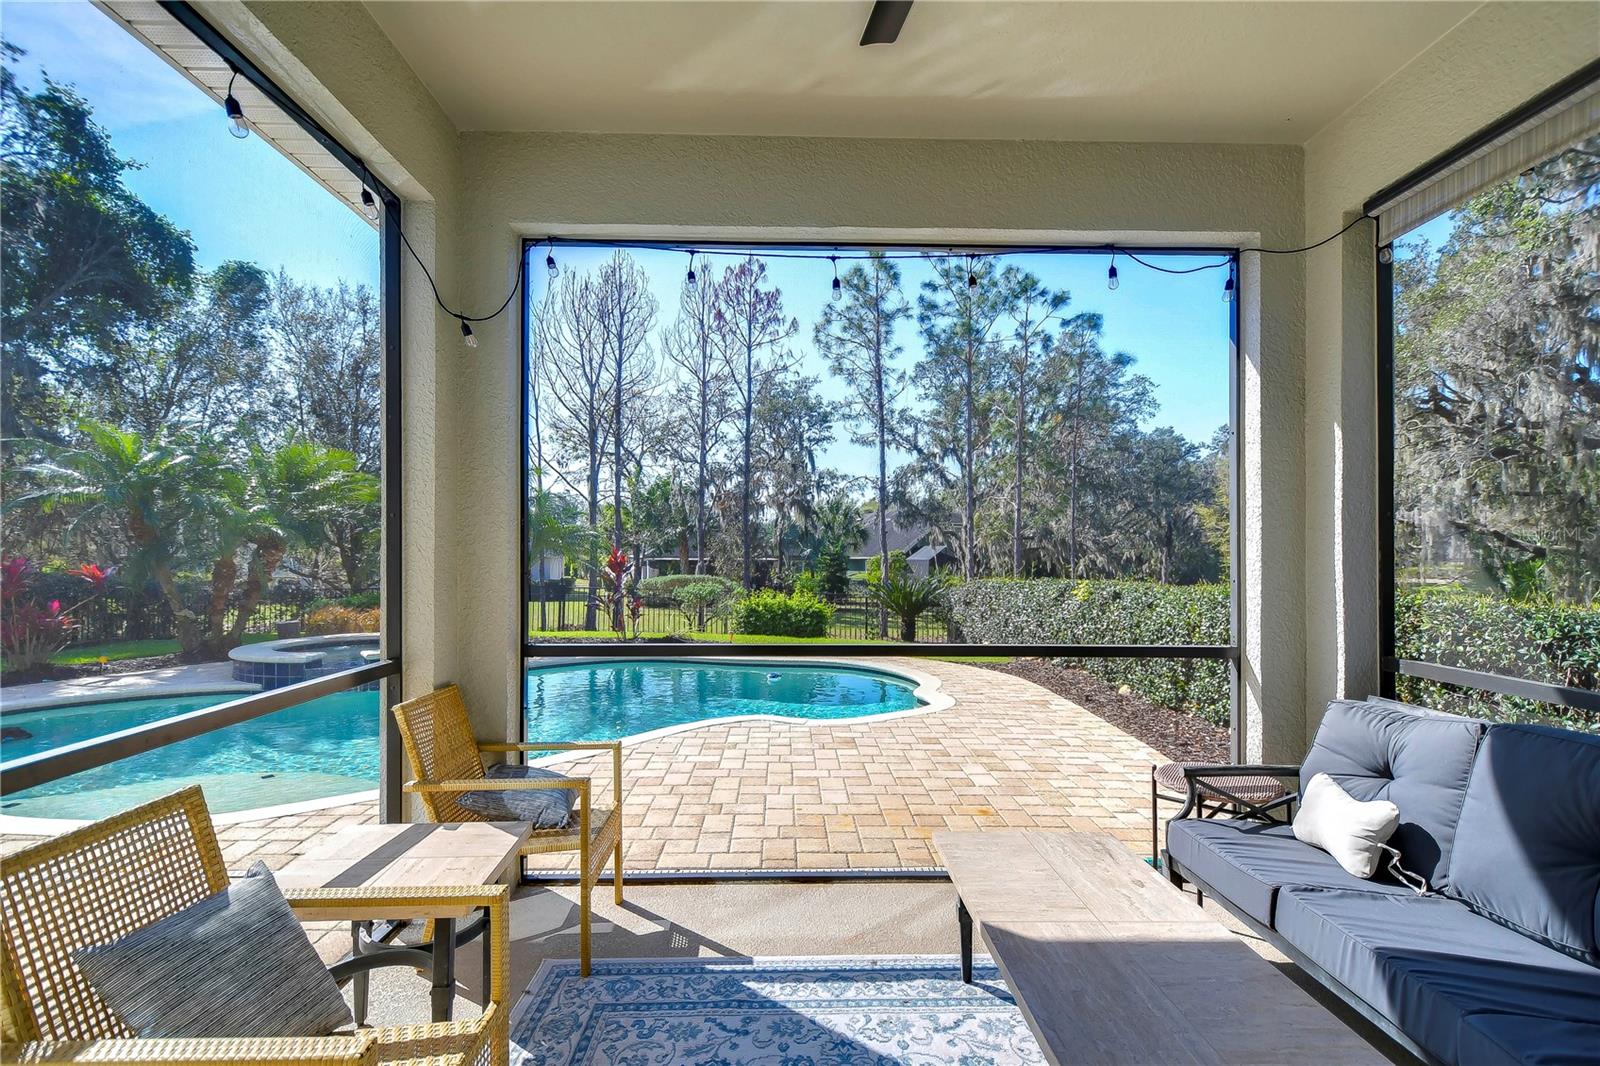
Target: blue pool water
(606,701)
(327,747)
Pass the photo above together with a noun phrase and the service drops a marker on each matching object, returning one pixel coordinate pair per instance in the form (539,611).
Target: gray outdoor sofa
(1500,963)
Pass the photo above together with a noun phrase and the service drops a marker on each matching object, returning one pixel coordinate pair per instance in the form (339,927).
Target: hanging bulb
(691,279)
(369,206)
(236,123)
(837,289)
(1111,278)
(1227,290)
(466,334)
(550,263)
(972,281)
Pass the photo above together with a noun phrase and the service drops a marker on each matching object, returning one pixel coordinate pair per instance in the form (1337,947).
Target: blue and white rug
(770,1012)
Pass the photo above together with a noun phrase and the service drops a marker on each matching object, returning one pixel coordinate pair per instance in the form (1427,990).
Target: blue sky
(1175,326)
(238,199)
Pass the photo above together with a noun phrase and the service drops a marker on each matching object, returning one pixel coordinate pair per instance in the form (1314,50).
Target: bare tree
(702,392)
(751,332)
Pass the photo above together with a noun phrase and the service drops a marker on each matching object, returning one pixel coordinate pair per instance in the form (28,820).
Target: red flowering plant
(33,630)
(613,597)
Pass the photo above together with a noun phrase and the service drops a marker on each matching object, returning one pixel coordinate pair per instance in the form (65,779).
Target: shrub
(335,619)
(899,567)
(833,572)
(907,598)
(807,582)
(662,591)
(1041,611)
(778,614)
(1542,641)
(702,601)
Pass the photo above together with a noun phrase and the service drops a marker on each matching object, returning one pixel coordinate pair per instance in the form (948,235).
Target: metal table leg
(964,920)
(488,963)
(444,968)
(360,982)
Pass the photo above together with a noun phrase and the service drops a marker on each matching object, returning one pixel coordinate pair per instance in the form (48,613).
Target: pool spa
(329,747)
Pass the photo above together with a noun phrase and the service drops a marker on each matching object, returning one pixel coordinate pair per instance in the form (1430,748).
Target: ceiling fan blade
(883,25)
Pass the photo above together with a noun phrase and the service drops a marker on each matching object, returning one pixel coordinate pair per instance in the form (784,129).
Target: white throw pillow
(1351,831)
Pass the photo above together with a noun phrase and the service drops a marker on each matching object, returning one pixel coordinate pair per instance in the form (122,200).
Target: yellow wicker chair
(99,883)
(447,761)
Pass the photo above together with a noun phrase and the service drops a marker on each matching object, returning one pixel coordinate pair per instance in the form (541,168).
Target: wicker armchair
(103,881)
(447,761)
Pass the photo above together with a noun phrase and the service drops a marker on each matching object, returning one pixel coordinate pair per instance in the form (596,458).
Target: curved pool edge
(26,826)
(928,688)
(154,691)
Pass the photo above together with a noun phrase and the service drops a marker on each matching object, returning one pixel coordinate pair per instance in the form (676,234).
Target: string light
(1111,274)
(1227,289)
(691,279)
(467,335)
(836,287)
(550,259)
(972,275)
(369,206)
(230,106)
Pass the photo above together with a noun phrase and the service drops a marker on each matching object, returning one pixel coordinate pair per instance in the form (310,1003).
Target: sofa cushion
(1493,1039)
(1420,763)
(1428,963)
(1529,844)
(1248,862)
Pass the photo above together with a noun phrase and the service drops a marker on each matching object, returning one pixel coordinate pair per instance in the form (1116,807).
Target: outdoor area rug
(847,1011)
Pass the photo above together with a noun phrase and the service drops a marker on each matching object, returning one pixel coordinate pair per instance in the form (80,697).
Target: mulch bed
(1181,736)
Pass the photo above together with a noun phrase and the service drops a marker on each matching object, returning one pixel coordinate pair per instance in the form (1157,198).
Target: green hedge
(772,613)
(1549,642)
(1005,611)
(662,591)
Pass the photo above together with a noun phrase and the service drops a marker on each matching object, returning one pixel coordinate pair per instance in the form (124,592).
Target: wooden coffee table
(1111,964)
(415,855)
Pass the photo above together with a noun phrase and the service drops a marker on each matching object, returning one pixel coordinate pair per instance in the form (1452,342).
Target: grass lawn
(119,650)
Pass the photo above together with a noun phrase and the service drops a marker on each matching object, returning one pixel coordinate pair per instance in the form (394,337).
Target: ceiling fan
(883,25)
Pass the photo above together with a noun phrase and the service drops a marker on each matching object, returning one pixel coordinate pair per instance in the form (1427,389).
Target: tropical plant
(908,597)
(33,630)
(614,598)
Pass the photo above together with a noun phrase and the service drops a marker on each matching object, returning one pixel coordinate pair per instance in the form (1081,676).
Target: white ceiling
(1127,71)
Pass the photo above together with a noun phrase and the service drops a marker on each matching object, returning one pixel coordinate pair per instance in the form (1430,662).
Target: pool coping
(24,825)
(152,691)
(928,689)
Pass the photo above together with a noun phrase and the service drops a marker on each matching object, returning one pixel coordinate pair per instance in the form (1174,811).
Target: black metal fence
(127,614)
(854,618)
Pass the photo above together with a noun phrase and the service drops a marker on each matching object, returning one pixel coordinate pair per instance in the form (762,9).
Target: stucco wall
(1504,54)
(836,190)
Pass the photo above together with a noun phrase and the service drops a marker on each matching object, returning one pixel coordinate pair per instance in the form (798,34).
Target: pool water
(327,747)
(608,701)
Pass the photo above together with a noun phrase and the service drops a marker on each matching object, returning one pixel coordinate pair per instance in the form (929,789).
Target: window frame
(20,774)
(533,650)
(1390,666)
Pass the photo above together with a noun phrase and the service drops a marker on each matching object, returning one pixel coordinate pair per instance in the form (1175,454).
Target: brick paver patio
(833,795)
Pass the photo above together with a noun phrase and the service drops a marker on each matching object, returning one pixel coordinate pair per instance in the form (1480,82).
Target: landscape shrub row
(663,591)
(1048,611)
(338,619)
(1551,642)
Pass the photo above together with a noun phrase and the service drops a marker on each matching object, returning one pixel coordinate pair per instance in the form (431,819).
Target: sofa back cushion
(1418,762)
(1528,847)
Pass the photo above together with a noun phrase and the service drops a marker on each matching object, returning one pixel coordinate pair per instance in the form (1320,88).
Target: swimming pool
(327,747)
(611,700)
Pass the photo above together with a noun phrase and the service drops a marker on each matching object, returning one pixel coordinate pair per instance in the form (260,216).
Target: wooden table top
(1110,963)
(421,855)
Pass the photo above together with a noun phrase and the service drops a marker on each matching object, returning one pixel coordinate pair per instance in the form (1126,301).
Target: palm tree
(908,597)
(838,521)
(555,527)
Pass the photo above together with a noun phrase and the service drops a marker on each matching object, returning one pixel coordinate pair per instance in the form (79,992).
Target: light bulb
(236,123)
(691,279)
(972,282)
(369,206)
(550,265)
(467,335)
(1227,290)
(1111,278)
(837,290)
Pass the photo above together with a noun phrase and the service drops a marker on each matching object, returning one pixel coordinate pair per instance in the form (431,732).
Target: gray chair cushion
(1428,963)
(1492,1039)
(1248,862)
(546,808)
(1529,845)
(1420,763)
(235,964)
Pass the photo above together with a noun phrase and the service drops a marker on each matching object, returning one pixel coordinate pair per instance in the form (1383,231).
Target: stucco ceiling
(1129,71)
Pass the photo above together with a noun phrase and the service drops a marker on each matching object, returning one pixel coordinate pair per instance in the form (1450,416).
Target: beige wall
(1307,430)
(1486,66)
